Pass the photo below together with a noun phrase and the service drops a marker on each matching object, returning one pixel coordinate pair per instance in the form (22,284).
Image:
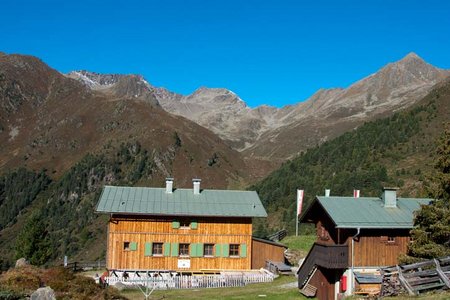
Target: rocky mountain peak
(216,96)
(411,56)
(98,81)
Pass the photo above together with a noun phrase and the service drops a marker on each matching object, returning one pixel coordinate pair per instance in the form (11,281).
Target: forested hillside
(395,151)
(58,218)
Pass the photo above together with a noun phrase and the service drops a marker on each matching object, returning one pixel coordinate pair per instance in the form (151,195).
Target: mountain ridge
(49,120)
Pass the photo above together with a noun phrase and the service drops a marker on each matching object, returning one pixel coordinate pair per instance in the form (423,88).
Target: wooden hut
(179,229)
(266,251)
(356,236)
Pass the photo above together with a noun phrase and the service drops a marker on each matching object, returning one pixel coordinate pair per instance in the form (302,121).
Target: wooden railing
(191,282)
(278,236)
(327,256)
(85,265)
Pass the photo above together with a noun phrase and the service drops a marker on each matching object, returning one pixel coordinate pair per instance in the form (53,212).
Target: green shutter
(166,249)
(196,250)
(133,246)
(148,249)
(175,224)
(193,250)
(174,247)
(218,250)
(226,250)
(243,250)
(194,225)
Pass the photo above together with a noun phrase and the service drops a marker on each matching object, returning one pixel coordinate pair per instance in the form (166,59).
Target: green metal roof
(367,212)
(182,202)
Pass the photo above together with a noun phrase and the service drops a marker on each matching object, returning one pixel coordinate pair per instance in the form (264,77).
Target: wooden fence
(168,281)
(278,236)
(85,265)
(433,274)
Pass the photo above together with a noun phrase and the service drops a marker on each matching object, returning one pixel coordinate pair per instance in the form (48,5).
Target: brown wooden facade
(372,247)
(131,238)
(324,279)
(366,249)
(266,250)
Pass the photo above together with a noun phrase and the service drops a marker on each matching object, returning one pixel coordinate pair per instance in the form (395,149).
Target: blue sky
(268,52)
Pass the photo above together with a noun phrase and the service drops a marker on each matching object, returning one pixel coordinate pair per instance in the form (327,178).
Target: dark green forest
(355,160)
(64,222)
(17,190)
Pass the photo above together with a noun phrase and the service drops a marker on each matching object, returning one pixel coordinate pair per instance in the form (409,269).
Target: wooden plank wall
(326,232)
(209,231)
(373,248)
(324,280)
(265,251)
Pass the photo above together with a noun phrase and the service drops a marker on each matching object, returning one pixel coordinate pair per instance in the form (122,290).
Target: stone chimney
(327,193)
(196,183)
(389,197)
(169,185)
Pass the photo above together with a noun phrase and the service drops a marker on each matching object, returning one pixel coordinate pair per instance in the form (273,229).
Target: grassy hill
(394,151)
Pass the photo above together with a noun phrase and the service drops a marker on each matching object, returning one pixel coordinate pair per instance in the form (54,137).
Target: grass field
(282,288)
(302,242)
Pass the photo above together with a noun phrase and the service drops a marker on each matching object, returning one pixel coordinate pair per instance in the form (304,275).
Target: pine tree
(431,233)
(33,242)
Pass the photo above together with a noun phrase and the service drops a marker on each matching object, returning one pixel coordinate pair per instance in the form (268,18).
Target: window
(391,239)
(185,224)
(184,250)
(208,250)
(126,245)
(157,249)
(234,249)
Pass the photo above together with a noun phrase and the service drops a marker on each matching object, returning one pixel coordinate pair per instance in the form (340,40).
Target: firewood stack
(390,285)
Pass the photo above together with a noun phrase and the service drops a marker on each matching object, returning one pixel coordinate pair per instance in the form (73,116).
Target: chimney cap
(169,179)
(386,188)
(196,180)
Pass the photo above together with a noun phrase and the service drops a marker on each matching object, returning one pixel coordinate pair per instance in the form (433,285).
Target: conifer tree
(431,233)
(33,242)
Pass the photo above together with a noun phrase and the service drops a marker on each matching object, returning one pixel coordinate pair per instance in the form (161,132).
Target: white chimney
(355,193)
(327,193)
(196,186)
(389,197)
(169,185)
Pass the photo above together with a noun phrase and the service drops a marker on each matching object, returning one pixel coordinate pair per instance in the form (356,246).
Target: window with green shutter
(166,249)
(133,246)
(243,250)
(225,250)
(175,224)
(174,249)
(194,225)
(148,249)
